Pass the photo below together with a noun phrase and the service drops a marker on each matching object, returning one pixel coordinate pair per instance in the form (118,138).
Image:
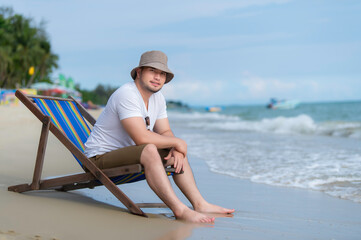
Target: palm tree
(44,62)
(23,45)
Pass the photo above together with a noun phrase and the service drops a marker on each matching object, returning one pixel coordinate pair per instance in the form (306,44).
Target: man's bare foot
(192,216)
(211,208)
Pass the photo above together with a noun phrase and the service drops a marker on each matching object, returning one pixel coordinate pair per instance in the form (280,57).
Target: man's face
(151,79)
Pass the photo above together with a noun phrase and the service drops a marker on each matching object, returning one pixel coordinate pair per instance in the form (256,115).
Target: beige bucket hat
(155,59)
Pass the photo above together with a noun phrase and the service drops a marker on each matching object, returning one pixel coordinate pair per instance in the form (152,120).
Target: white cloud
(195,91)
(307,89)
(313,86)
(257,87)
(283,86)
(251,88)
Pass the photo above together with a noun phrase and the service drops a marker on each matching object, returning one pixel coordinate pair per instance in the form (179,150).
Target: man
(134,128)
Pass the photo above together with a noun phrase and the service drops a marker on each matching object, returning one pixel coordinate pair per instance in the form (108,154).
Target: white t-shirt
(108,133)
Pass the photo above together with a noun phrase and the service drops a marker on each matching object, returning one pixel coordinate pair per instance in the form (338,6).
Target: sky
(221,52)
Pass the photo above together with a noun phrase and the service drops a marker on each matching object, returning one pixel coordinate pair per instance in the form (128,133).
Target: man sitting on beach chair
(134,128)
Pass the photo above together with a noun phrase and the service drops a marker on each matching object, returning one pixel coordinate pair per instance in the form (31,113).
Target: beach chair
(65,119)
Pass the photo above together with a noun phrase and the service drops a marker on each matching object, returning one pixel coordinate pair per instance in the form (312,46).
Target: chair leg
(151,205)
(20,188)
(35,185)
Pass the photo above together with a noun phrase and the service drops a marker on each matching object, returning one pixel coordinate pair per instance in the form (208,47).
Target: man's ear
(139,72)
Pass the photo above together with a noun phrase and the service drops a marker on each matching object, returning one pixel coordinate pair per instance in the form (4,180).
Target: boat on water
(213,109)
(282,104)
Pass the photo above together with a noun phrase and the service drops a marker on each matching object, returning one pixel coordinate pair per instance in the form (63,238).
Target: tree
(23,45)
(99,95)
(6,62)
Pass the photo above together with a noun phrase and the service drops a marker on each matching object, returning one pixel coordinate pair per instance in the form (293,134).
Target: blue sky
(222,52)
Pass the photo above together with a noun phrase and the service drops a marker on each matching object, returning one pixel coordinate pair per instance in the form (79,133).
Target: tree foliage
(99,95)
(23,45)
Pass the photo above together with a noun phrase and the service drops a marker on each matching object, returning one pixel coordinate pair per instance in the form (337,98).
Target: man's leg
(160,184)
(187,185)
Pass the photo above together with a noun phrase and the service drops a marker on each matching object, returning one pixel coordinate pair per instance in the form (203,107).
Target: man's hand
(181,146)
(178,159)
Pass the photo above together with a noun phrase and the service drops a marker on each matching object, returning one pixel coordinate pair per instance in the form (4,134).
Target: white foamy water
(288,151)
(302,124)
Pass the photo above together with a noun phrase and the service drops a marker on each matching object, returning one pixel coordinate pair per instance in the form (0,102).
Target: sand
(262,212)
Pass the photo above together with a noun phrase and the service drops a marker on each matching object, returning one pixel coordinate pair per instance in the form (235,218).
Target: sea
(314,146)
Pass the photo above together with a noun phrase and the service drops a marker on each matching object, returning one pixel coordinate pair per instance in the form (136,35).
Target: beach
(262,211)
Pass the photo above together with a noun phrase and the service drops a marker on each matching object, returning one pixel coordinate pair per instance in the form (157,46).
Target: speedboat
(282,104)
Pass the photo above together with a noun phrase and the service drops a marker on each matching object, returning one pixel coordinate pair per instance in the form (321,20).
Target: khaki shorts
(123,156)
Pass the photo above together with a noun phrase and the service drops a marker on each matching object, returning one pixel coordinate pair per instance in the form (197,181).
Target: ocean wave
(332,171)
(195,116)
(328,176)
(234,146)
(301,124)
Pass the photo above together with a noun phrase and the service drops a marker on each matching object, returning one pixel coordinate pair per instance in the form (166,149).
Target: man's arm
(162,137)
(163,128)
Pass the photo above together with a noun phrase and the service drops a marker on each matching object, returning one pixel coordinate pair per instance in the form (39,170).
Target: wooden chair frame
(80,180)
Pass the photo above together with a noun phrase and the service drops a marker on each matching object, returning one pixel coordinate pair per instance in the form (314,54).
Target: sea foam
(301,124)
(294,151)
